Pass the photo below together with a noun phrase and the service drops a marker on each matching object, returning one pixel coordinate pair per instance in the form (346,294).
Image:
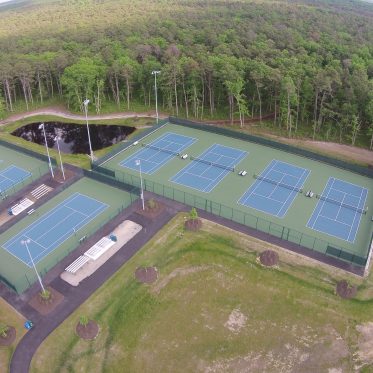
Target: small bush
(83,320)
(193,215)
(45,295)
(4,330)
(151,204)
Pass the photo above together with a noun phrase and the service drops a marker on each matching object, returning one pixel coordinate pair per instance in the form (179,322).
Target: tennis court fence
(35,174)
(25,280)
(361,170)
(252,221)
(31,153)
(124,145)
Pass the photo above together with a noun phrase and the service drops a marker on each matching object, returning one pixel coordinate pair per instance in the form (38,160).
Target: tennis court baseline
(55,227)
(207,170)
(156,154)
(339,209)
(11,176)
(275,188)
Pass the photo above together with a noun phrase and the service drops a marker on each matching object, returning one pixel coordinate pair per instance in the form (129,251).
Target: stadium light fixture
(57,138)
(155,73)
(25,243)
(138,163)
(42,126)
(85,103)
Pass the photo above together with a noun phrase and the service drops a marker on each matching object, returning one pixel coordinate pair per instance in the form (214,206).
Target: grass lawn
(215,309)
(10,317)
(80,160)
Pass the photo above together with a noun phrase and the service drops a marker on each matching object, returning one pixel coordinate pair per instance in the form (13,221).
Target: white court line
(331,179)
(301,182)
(257,183)
(356,212)
(68,234)
(129,146)
(190,141)
(334,220)
(25,232)
(270,198)
(57,223)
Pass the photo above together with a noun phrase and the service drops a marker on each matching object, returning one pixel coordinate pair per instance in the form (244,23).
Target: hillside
(310,62)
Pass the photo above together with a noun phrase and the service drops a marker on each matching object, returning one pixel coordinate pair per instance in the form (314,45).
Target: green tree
(83,80)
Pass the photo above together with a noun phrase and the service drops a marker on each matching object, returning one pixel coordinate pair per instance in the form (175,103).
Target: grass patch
(213,308)
(9,316)
(80,160)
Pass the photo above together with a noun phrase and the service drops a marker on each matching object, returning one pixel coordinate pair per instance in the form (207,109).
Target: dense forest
(310,63)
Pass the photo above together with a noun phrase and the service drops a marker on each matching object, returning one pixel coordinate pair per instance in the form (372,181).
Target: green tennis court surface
(18,170)
(273,202)
(12,176)
(56,228)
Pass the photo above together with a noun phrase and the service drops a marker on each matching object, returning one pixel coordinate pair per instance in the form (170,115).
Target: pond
(74,137)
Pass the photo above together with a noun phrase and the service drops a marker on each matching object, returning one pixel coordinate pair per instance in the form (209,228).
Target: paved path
(75,296)
(60,112)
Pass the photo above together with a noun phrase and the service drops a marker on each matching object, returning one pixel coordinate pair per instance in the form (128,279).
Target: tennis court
(156,154)
(275,188)
(12,176)
(339,210)
(208,169)
(53,228)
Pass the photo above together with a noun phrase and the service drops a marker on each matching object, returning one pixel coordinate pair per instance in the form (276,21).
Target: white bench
(99,248)
(243,172)
(40,191)
(30,211)
(77,264)
(21,206)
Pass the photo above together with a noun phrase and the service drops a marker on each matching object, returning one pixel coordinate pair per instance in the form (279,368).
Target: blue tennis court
(207,170)
(55,227)
(156,154)
(11,176)
(275,188)
(339,209)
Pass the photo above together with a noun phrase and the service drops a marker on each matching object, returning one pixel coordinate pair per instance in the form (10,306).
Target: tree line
(311,64)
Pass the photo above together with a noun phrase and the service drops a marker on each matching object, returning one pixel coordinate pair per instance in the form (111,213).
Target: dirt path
(347,152)
(60,112)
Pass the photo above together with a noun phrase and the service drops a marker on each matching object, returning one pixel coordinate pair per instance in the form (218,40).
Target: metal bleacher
(99,248)
(77,264)
(40,191)
(21,206)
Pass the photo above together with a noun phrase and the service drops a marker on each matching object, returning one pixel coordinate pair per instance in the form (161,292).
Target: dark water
(74,137)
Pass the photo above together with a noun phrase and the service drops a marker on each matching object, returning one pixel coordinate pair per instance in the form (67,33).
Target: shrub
(4,330)
(83,320)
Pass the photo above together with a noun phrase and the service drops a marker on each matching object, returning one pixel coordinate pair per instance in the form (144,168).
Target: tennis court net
(278,183)
(224,167)
(150,146)
(338,203)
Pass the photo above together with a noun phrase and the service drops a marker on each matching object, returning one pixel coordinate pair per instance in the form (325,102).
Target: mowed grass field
(215,309)
(9,316)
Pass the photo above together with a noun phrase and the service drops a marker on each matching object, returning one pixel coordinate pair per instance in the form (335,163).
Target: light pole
(138,163)
(155,72)
(42,126)
(26,242)
(59,152)
(85,103)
